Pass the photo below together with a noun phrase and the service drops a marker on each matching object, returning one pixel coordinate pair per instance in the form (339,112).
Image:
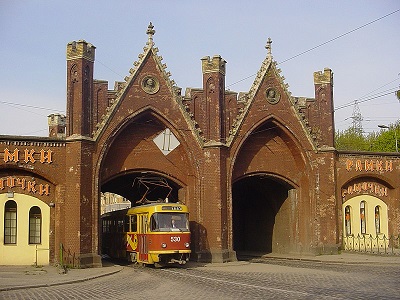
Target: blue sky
(365,62)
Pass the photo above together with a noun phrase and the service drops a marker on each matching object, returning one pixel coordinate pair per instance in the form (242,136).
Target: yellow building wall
(371,202)
(22,253)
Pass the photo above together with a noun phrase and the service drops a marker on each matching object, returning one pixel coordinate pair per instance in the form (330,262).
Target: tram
(154,234)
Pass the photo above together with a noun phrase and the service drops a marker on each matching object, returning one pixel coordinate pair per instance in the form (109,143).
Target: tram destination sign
(165,207)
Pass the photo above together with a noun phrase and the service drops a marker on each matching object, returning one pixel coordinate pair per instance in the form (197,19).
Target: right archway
(262,214)
(269,183)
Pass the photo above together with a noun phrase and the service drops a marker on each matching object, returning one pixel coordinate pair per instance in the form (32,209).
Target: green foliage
(350,139)
(383,141)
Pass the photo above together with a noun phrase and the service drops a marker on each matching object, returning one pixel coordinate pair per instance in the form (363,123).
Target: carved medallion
(150,84)
(272,96)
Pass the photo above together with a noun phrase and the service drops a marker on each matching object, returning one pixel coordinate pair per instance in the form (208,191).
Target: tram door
(143,239)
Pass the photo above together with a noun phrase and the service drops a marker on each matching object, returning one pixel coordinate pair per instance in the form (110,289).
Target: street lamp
(395,134)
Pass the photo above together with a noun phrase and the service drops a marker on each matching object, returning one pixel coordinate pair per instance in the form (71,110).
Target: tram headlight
(163,245)
(187,245)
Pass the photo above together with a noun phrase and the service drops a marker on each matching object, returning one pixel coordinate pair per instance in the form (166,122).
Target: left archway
(146,145)
(150,147)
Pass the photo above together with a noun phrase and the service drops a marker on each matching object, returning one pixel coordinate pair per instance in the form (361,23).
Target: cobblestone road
(266,279)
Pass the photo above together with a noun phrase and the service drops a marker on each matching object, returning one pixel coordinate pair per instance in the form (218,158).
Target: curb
(320,261)
(60,283)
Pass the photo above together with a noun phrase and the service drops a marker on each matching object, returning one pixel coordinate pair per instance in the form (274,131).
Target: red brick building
(258,170)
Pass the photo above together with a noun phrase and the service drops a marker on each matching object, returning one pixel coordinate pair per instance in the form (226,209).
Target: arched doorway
(146,146)
(262,211)
(145,160)
(269,174)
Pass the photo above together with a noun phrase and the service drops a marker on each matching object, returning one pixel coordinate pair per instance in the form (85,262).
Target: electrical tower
(357,119)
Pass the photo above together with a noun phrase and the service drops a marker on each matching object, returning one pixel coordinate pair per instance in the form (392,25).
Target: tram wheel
(131,257)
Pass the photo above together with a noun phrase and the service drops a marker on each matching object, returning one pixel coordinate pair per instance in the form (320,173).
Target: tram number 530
(175,239)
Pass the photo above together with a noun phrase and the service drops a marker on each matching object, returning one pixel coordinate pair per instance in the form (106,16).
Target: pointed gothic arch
(267,196)
(269,136)
(141,136)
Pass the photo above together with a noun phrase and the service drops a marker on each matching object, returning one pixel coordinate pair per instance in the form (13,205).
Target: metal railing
(68,259)
(36,253)
(373,244)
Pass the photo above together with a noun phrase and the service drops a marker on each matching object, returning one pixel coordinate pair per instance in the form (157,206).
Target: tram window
(169,222)
(112,226)
(144,224)
(127,227)
(120,226)
(35,225)
(134,223)
(106,225)
(154,226)
(10,222)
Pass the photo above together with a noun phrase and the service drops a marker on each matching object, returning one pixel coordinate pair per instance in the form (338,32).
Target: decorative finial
(268,47)
(150,32)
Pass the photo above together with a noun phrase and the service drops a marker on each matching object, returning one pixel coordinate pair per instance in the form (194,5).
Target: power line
(364,99)
(28,106)
(323,44)
(295,56)
(109,69)
(361,101)
(340,36)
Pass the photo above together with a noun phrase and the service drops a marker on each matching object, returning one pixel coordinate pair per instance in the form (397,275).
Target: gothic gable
(148,86)
(269,97)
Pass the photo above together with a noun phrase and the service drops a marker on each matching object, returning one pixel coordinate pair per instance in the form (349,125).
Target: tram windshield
(169,222)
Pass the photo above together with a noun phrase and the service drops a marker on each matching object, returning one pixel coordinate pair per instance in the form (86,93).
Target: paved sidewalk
(344,258)
(19,277)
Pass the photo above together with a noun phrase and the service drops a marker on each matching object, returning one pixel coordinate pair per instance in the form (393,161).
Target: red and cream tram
(156,233)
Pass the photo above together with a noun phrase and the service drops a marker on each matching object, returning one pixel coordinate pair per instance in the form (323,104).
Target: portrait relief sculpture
(150,84)
(272,96)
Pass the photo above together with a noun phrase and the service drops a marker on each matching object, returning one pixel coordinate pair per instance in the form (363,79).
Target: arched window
(10,222)
(347,220)
(377,219)
(35,225)
(362,218)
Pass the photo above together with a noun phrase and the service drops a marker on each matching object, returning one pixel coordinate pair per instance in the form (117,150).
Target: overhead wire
(29,106)
(281,62)
(340,36)
(365,100)
(322,44)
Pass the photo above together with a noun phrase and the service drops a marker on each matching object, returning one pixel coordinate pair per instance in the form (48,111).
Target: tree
(387,140)
(382,141)
(351,139)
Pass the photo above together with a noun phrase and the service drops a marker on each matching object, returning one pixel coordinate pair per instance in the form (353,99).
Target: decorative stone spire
(269,49)
(150,32)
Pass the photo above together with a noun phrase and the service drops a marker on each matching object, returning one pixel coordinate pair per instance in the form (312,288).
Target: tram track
(244,285)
